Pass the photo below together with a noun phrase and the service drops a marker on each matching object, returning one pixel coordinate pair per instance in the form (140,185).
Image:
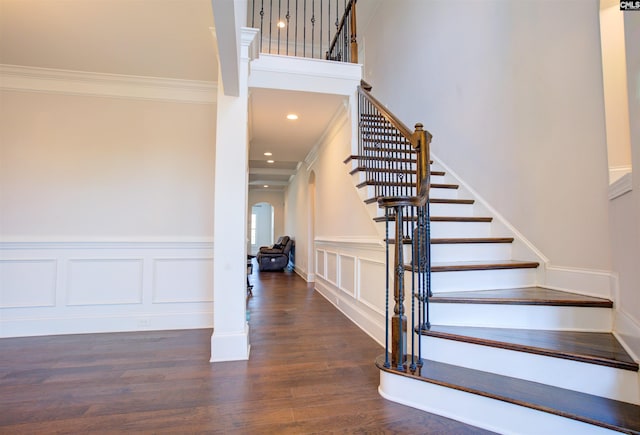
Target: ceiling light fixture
(292,116)
(266,185)
(268,153)
(271,161)
(281,24)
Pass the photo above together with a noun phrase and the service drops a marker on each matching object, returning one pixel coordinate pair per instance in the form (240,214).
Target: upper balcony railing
(321,29)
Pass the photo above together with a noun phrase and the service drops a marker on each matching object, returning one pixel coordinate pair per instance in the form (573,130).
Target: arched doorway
(261,232)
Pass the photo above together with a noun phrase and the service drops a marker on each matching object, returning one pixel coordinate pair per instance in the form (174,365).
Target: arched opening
(311,216)
(261,231)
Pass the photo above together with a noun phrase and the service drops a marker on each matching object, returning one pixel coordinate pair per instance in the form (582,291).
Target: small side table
(249,272)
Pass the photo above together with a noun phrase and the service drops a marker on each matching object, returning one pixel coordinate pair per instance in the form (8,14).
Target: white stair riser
(446,229)
(443,193)
(522,316)
(573,375)
(458,210)
(482,279)
(443,252)
(491,414)
(470,252)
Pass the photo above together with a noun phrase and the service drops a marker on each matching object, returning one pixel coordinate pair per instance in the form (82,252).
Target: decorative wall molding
(71,287)
(34,79)
(621,186)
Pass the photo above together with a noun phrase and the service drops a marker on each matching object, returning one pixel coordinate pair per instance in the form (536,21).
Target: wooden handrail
(350,15)
(406,131)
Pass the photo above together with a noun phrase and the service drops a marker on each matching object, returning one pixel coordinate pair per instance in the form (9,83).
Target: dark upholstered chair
(275,257)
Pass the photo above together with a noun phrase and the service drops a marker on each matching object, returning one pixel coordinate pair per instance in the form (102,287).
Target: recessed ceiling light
(271,161)
(268,153)
(292,116)
(281,24)
(266,185)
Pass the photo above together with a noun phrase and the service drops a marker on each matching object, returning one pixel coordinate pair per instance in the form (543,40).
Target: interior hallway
(311,371)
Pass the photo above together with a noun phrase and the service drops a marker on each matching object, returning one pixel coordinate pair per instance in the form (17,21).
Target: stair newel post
(422,243)
(353,37)
(399,320)
(387,364)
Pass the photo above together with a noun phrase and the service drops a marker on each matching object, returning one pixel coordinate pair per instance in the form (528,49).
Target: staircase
(488,346)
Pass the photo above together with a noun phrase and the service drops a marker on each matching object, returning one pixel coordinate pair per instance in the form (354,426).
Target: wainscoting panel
(372,284)
(320,263)
(332,267)
(348,274)
(27,283)
(183,280)
(351,275)
(104,282)
(84,287)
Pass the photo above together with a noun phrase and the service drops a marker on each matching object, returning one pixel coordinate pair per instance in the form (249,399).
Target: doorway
(261,226)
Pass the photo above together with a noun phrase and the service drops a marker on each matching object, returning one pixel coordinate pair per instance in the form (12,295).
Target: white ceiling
(161,38)
(288,141)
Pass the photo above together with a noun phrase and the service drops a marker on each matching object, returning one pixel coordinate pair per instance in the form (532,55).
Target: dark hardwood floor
(311,371)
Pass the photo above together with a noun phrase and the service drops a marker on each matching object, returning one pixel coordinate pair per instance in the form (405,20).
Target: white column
(230,339)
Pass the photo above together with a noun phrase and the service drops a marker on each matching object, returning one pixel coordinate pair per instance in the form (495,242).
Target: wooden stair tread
(379,158)
(438,218)
(404,184)
(608,413)
(480,265)
(391,171)
(461,219)
(600,348)
(389,150)
(522,296)
(431,200)
(460,240)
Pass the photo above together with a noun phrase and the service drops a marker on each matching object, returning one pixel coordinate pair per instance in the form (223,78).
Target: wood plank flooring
(311,371)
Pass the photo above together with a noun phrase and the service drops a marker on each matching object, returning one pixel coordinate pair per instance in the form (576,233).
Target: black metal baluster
(270,22)
(288,17)
(313,26)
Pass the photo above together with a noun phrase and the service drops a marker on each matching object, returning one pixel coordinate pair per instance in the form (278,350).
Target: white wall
(512,93)
(625,210)
(95,168)
(106,219)
(340,212)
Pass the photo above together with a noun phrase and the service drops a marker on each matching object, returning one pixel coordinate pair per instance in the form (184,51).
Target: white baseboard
(230,346)
(588,282)
(27,327)
(360,314)
(627,330)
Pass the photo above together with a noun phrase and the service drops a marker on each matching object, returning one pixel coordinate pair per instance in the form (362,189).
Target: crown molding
(34,79)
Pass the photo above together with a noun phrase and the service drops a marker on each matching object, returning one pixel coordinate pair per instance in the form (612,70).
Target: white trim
(34,79)
(621,186)
(233,346)
(484,412)
(186,243)
(589,282)
(627,331)
(371,326)
(94,324)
